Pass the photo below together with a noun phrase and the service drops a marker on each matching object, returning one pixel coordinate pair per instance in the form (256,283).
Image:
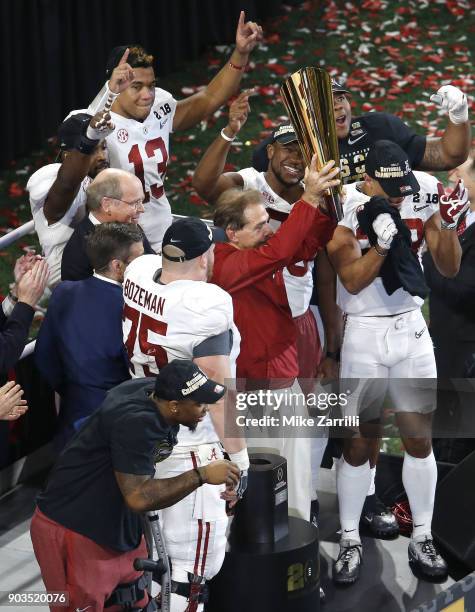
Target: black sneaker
(346,569)
(378,518)
(425,560)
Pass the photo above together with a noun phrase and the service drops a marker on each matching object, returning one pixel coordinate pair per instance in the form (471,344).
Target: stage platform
(386,583)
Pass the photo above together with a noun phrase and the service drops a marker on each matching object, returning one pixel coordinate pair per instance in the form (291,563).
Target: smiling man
(145,115)
(356,135)
(280,186)
(113,196)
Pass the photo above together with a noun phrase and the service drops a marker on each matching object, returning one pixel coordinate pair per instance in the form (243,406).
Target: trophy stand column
(272,561)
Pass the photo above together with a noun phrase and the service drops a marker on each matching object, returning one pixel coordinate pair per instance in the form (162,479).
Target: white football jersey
(53,238)
(166,322)
(297,277)
(143,149)
(415,210)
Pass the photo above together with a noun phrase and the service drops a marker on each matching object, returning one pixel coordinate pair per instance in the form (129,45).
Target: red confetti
(15,190)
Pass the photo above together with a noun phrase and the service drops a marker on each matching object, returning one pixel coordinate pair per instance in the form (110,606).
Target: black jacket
(452,311)
(75,263)
(14,334)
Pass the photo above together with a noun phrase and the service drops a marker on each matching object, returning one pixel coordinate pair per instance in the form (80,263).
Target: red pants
(71,562)
(309,350)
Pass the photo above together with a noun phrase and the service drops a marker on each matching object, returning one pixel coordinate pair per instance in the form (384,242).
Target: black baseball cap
(188,238)
(389,165)
(72,129)
(338,87)
(181,379)
(284,134)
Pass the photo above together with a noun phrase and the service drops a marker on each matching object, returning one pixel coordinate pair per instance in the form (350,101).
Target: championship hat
(388,164)
(188,238)
(181,379)
(284,134)
(72,129)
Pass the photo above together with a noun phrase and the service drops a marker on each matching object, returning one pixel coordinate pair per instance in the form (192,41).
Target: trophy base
(283,576)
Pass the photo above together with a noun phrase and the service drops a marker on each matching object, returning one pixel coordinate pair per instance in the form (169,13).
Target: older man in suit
(113,196)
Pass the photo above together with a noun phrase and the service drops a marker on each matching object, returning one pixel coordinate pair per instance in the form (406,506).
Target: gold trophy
(308,98)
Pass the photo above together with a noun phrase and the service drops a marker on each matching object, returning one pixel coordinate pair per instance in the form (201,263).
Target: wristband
(241,459)
(375,247)
(223,135)
(14,298)
(334,355)
(111,95)
(200,478)
(86,145)
(236,67)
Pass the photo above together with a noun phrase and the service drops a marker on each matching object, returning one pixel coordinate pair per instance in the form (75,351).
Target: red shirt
(254,279)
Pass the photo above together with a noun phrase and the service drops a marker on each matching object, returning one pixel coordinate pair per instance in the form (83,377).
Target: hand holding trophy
(308,98)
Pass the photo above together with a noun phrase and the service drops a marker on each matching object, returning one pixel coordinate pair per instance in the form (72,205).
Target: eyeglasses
(134,204)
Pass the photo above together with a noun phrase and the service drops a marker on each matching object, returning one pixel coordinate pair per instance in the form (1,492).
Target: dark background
(53,52)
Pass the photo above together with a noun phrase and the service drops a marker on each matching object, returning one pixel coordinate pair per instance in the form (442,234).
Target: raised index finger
(123,59)
(242,17)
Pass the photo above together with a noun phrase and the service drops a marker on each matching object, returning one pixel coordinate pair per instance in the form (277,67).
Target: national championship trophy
(307,95)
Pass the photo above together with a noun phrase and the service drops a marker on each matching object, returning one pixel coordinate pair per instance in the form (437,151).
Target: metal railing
(16,234)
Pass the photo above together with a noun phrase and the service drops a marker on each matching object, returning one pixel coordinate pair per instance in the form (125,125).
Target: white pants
(295,449)
(194,529)
(376,349)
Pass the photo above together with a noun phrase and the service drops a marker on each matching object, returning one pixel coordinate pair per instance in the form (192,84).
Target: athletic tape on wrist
(241,459)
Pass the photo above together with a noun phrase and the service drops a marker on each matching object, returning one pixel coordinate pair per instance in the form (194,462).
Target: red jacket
(254,279)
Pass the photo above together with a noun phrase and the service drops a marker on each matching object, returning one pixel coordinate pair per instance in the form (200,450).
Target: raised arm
(248,266)
(209,178)
(452,148)
(441,230)
(192,110)
(142,493)
(76,165)
(357,271)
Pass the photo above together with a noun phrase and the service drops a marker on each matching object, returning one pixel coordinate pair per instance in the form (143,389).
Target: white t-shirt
(53,238)
(415,210)
(166,322)
(143,149)
(297,277)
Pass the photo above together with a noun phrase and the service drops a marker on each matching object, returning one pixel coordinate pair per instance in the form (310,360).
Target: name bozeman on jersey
(192,312)
(416,210)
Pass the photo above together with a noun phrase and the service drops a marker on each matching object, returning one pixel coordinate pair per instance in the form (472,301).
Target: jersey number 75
(141,324)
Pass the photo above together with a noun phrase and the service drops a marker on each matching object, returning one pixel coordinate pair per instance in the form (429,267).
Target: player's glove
(242,486)
(385,230)
(453,205)
(453,101)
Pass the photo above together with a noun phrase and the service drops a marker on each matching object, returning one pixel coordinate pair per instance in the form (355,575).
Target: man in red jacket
(249,267)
